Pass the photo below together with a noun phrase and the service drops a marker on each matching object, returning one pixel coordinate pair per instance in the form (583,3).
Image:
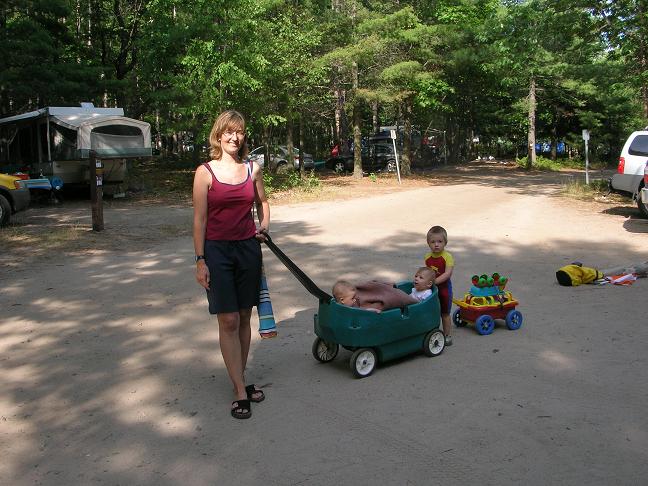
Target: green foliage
(40,61)
(459,67)
(290,180)
(577,189)
(543,163)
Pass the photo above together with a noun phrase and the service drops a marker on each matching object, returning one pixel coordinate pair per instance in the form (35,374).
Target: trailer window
(6,136)
(27,145)
(64,143)
(42,128)
(123,130)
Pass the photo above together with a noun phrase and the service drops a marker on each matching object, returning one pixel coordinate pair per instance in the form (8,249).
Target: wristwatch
(199,257)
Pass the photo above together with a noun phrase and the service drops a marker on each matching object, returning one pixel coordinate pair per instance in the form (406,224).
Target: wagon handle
(296,271)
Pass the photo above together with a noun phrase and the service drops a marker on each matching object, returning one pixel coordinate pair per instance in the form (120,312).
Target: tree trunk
(531,155)
(643,57)
(357,137)
(289,141)
(554,138)
(301,144)
(406,160)
(266,148)
(340,126)
(374,118)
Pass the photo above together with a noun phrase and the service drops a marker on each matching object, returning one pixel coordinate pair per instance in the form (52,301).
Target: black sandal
(241,409)
(252,390)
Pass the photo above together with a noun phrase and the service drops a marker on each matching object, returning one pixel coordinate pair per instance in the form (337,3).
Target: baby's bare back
(382,296)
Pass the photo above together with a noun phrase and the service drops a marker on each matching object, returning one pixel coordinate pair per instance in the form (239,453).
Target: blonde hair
(228,120)
(438,230)
(341,286)
(427,273)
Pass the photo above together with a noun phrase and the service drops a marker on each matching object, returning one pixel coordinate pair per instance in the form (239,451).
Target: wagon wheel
(456,318)
(363,362)
(434,343)
(324,351)
(514,320)
(485,324)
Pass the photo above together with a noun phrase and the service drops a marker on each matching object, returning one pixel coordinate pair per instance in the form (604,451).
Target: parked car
(14,197)
(279,158)
(644,192)
(383,135)
(375,158)
(630,178)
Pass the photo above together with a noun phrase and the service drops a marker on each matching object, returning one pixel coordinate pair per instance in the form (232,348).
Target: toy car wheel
(434,343)
(324,351)
(363,362)
(485,325)
(456,318)
(514,320)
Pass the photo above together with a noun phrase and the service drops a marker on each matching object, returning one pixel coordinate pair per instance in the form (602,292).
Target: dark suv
(376,157)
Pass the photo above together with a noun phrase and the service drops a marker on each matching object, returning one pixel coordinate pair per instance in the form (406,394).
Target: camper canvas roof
(65,113)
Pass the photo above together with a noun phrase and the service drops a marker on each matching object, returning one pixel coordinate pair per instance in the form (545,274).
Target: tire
(363,362)
(434,343)
(339,167)
(643,207)
(324,351)
(5,210)
(485,325)
(514,320)
(282,167)
(456,318)
(391,165)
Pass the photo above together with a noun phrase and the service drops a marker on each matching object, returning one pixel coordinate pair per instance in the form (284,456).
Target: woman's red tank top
(229,209)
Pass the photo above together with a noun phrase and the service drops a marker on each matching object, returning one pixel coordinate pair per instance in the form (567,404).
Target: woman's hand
(261,234)
(202,274)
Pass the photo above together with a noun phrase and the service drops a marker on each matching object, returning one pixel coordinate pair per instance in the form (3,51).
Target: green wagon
(372,337)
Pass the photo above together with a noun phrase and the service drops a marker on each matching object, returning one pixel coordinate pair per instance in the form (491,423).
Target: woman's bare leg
(245,335)
(229,330)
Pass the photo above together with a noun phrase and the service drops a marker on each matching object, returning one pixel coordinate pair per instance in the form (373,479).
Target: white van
(629,178)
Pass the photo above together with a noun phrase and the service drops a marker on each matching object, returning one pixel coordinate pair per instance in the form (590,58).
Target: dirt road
(111,374)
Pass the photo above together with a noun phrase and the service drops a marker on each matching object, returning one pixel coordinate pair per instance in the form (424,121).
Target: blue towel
(267,326)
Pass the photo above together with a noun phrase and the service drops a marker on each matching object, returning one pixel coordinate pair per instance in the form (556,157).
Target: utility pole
(96,191)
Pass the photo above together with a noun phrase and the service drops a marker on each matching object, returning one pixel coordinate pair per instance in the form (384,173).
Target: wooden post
(96,191)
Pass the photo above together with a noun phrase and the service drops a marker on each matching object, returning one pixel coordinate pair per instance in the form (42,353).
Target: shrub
(543,163)
(290,180)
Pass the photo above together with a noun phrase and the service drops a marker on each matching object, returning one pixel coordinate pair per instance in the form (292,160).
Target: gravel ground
(112,375)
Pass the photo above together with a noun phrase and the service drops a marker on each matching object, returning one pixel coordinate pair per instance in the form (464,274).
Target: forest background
(477,77)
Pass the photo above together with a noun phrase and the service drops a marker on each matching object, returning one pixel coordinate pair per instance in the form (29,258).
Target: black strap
(297,272)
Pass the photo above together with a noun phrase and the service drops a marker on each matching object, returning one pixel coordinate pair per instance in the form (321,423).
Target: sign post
(393,137)
(96,191)
(586,137)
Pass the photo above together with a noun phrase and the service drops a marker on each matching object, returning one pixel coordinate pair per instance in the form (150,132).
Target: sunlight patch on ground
(555,360)
(22,443)
(19,376)
(133,405)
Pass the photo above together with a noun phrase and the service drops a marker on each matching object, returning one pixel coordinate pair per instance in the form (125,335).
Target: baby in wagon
(373,296)
(423,283)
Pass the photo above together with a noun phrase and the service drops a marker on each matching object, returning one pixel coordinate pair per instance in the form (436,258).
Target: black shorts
(234,274)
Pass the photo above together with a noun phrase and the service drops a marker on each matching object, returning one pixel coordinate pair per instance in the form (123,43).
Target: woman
(227,244)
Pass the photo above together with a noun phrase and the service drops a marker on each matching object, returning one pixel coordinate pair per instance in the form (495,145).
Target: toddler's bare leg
(447,325)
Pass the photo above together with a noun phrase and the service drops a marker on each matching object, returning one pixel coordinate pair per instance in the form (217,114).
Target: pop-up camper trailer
(55,142)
